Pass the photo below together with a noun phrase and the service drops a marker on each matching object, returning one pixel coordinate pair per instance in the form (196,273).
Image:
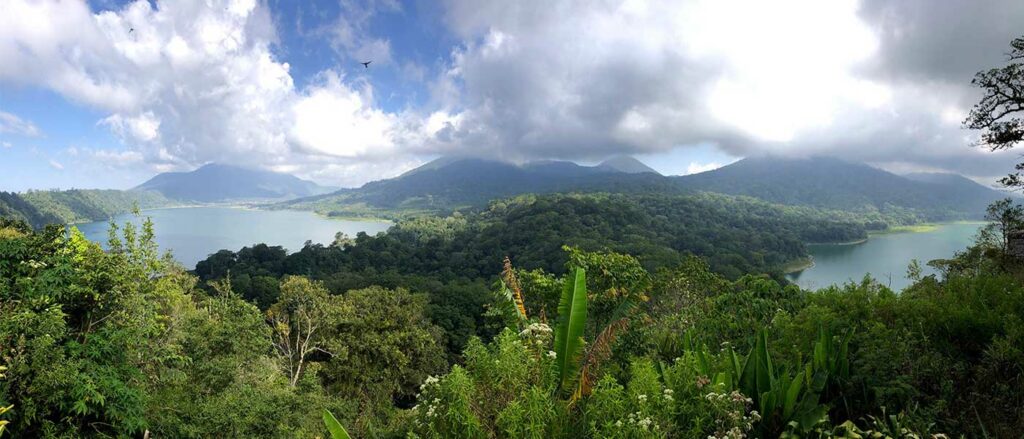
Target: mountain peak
(216,182)
(626,164)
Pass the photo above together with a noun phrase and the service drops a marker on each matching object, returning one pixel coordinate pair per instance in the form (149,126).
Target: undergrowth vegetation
(123,342)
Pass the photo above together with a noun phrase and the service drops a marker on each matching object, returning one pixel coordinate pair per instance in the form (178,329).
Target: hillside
(446,184)
(39,208)
(220,183)
(836,184)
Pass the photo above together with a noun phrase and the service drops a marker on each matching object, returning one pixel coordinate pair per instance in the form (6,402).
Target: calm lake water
(193,233)
(885,257)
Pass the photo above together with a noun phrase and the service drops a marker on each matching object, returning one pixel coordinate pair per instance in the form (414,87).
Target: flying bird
(366,64)
(130,30)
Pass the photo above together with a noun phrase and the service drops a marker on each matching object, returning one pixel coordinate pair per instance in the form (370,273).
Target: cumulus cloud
(885,82)
(187,82)
(56,165)
(12,124)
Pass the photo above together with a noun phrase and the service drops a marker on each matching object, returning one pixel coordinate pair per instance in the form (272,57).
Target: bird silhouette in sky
(130,30)
(366,64)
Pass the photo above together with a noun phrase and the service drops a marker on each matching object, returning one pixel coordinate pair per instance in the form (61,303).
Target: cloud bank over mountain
(189,82)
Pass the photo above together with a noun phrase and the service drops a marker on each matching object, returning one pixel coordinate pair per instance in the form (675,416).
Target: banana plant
(787,403)
(334,427)
(572,319)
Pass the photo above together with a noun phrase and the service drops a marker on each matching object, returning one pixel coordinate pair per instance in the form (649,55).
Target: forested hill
(39,208)
(220,183)
(836,184)
(446,184)
(736,235)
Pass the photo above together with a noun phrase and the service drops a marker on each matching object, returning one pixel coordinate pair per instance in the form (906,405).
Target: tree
(999,113)
(1004,218)
(299,319)
(384,346)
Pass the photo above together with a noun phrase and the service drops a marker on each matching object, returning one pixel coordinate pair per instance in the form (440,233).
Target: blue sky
(685,86)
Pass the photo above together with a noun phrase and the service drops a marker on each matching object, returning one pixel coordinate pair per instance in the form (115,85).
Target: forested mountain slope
(218,183)
(837,184)
(447,184)
(39,208)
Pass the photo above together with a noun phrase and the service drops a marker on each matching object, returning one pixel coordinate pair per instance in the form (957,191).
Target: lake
(193,233)
(884,256)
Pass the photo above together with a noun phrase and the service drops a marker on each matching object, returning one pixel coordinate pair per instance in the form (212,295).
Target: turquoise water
(193,233)
(884,257)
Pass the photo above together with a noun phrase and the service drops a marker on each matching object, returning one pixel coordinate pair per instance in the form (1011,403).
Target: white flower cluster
(430,381)
(667,394)
(552,354)
(732,433)
(732,420)
(644,422)
(735,396)
(431,407)
(537,332)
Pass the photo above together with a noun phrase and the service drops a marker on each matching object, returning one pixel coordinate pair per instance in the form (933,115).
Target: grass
(797,265)
(919,228)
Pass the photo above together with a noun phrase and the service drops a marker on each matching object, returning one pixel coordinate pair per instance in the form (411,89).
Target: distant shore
(798,265)
(923,227)
(246,206)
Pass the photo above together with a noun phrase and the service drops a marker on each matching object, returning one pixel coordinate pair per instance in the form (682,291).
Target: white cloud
(334,120)
(863,80)
(697,168)
(6,144)
(56,165)
(199,81)
(189,82)
(12,124)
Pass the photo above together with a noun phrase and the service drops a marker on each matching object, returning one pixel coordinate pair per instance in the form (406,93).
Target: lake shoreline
(798,265)
(197,232)
(883,256)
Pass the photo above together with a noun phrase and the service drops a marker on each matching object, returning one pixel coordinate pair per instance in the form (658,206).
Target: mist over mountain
(219,183)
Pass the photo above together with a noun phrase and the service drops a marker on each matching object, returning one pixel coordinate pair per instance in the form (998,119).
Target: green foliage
(382,347)
(40,208)
(333,426)
(998,113)
(120,342)
(572,319)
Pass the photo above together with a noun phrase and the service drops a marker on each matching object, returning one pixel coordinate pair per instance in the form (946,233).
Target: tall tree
(1000,113)
(1005,218)
(299,319)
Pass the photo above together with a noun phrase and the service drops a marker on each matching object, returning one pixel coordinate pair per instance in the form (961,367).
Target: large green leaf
(792,393)
(334,427)
(758,374)
(572,319)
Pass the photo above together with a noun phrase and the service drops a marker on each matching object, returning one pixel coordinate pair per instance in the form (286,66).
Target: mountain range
(451,183)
